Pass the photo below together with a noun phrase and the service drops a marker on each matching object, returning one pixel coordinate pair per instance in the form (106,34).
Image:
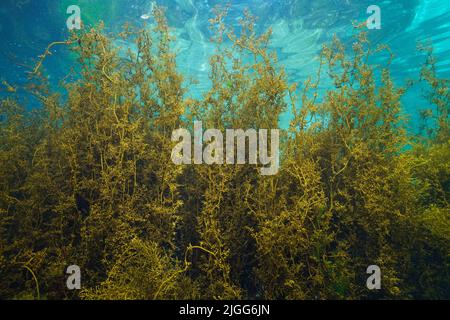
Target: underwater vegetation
(87,179)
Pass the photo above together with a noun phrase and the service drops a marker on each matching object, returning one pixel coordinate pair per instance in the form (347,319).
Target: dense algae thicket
(88,180)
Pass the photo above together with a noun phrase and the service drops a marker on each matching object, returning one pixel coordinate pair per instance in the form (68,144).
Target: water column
(196,57)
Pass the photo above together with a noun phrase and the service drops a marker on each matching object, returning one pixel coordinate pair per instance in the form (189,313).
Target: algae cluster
(88,180)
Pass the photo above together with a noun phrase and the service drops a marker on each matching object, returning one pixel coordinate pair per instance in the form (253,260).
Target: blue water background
(300,28)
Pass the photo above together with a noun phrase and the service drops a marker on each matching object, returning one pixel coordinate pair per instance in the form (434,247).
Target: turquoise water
(300,28)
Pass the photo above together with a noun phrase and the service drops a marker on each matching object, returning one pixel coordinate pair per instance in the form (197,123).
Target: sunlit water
(300,28)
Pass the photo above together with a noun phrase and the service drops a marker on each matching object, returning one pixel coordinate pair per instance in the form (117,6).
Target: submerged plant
(88,178)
